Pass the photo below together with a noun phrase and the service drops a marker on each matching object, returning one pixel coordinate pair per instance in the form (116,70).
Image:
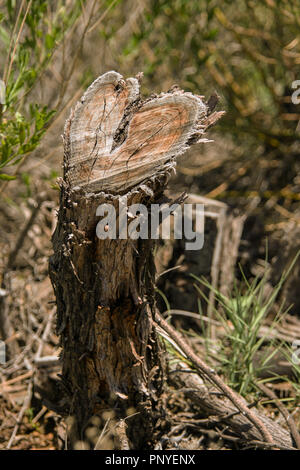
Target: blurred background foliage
(245,51)
(29,35)
(248,52)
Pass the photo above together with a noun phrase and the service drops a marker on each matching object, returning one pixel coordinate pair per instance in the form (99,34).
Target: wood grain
(117,141)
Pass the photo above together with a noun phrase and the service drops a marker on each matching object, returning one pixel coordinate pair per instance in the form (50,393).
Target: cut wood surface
(117,140)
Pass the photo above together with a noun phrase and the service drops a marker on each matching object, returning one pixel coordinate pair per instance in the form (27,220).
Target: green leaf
(49,41)
(4,36)
(211,34)
(5,177)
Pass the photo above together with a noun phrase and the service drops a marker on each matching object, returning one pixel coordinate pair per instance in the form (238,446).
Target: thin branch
(11,40)
(22,236)
(17,40)
(25,407)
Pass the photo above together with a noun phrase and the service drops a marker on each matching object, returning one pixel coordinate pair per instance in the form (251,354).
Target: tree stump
(116,146)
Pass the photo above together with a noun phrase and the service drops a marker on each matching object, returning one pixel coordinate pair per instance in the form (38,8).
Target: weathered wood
(115,144)
(117,141)
(219,408)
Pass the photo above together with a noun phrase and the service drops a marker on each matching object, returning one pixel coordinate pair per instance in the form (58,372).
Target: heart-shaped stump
(116,144)
(117,141)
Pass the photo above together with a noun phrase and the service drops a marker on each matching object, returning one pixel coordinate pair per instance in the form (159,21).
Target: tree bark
(116,145)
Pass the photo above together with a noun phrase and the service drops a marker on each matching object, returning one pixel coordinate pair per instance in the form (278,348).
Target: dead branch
(203,395)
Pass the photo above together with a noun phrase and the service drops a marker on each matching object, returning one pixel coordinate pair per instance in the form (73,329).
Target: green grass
(241,316)
(242,313)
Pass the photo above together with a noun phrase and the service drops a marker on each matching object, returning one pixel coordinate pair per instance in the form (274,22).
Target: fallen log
(220,409)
